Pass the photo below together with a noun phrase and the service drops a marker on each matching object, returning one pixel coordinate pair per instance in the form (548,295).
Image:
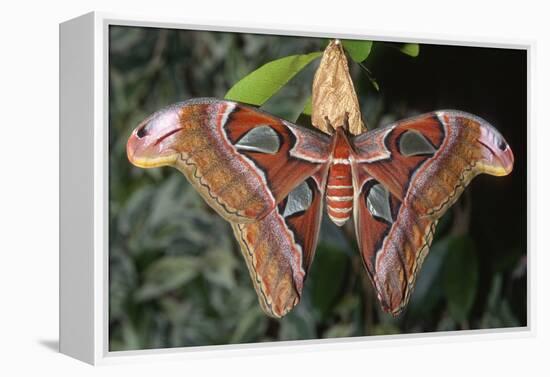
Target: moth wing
(279,248)
(241,160)
(264,175)
(406,176)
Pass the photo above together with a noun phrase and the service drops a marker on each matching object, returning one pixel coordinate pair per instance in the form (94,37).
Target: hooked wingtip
(150,144)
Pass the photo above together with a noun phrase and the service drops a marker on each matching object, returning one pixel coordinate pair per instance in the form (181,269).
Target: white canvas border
(100,340)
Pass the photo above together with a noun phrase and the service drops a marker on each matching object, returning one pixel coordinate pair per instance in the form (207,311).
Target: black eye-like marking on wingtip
(502,145)
(263,139)
(141,132)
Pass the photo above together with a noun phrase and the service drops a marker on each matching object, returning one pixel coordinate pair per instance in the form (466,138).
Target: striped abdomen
(339,190)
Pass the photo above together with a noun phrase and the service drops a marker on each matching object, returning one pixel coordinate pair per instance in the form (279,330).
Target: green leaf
(347,307)
(260,85)
(308,107)
(167,273)
(446,323)
(251,325)
(385,329)
(219,269)
(358,50)
(131,337)
(411,49)
(461,277)
(339,330)
(326,292)
(298,324)
(498,312)
(428,290)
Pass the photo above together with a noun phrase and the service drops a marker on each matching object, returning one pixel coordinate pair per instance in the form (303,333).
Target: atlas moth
(270,178)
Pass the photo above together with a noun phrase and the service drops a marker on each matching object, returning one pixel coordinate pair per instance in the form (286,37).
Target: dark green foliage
(176,274)
(461,277)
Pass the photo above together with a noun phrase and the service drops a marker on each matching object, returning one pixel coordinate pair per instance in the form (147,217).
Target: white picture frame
(84,193)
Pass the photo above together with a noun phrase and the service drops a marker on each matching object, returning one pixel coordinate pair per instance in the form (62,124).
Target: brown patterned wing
(262,174)
(406,176)
(279,248)
(241,160)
